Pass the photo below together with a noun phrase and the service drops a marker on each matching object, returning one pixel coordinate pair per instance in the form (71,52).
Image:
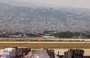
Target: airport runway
(45,44)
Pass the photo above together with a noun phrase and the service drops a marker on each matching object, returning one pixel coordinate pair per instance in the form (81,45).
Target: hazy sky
(55,3)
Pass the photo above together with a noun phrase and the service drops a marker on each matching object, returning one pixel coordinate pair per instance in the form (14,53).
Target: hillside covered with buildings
(34,20)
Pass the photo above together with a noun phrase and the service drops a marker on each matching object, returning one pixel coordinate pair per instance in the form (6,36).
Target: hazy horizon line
(18,3)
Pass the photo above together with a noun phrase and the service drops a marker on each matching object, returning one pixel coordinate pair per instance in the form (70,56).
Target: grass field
(41,39)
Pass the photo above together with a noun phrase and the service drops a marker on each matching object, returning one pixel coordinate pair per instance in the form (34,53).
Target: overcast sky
(55,3)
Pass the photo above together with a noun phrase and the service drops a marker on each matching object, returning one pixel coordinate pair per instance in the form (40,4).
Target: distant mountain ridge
(29,19)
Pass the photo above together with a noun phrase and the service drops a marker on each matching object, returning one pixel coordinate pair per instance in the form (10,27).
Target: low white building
(48,36)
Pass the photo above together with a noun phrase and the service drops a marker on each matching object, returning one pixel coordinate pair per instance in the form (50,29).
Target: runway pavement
(36,44)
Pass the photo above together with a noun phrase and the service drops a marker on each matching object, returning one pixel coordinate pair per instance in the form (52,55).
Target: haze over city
(48,15)
(53,3)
